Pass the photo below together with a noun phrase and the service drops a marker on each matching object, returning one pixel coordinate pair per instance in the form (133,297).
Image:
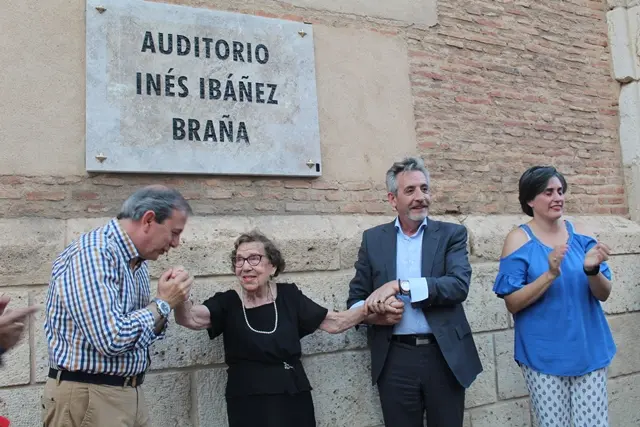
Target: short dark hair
(270,249)
(534,181)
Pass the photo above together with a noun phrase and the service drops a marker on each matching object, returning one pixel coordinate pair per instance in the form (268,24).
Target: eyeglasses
(253,260)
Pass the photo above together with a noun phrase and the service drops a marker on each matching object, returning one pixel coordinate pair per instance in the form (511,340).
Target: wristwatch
(404,286)
(163,307)
(593,272)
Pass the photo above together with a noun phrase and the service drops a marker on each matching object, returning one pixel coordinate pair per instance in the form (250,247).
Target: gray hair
(406,165)
(159,199)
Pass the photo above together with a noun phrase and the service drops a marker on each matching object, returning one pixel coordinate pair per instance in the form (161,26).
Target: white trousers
(569,401)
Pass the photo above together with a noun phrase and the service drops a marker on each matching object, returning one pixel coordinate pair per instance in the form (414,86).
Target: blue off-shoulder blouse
(565,332)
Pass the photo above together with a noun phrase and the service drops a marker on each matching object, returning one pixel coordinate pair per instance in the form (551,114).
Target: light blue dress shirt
(409,267)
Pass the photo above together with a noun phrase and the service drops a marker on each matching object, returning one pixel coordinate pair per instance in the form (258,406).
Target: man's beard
(417,217)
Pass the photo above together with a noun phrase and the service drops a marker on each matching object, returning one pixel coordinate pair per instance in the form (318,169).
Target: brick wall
(497,86)
(502,85)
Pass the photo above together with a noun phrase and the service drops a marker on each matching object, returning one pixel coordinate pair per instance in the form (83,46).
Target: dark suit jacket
(445,265)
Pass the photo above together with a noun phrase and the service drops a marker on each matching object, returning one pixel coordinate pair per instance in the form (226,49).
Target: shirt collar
(123,241)
(421,228)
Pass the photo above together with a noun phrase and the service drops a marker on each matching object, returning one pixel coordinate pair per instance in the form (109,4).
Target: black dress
(266,385)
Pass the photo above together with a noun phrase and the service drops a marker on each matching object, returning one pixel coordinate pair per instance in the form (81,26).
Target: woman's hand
(555,258)
(596,256)
(376,302)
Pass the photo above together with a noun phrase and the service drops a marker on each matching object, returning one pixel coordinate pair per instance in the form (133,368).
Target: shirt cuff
(163,332)
(147,321)
(419,289)
(357,304)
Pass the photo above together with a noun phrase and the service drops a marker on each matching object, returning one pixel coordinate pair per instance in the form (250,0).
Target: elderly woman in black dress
(262,323)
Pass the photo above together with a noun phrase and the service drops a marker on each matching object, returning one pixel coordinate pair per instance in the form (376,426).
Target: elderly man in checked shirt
(100,319)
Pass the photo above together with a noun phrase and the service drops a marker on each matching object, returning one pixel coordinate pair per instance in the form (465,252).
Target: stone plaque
(175,89)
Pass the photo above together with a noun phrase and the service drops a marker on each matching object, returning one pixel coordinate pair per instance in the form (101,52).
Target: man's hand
(394,309)
(12,323)
(177,270)
(376,302)
(174,286)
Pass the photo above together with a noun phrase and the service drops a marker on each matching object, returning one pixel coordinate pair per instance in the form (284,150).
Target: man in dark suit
(425,358)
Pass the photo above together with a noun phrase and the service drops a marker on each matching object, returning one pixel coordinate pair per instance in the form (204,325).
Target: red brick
(335,196)
(192,195)
(218,194)
(468,100)
(107,180)
(85,195)
(620,210)
(376,208)
(355,186)
(293,18)
(299,207)
(352,208)
(245,194)
(323,185)
(270,183)
(53,196)
(428,74)
(326,208)
(12,180)
(97,208)
(265,206)
(297,184)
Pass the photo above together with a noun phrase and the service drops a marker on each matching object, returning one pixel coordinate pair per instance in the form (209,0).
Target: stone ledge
(309,242)
(487,233)
(27,248)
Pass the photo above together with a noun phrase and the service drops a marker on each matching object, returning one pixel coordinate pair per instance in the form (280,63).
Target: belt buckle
(131,381)
(423,341)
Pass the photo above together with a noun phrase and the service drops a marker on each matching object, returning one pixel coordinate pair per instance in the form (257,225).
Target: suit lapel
(389,240)
(430,241)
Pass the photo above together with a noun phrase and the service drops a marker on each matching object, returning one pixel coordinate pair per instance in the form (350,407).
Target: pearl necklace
(244,311)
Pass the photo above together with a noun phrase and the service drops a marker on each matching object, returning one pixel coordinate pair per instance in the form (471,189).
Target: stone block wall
(186,384)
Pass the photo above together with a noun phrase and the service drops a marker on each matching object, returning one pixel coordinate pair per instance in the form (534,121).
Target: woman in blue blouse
(552,278)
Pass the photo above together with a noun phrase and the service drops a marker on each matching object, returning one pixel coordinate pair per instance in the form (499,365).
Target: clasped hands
(174,286)
(383,302)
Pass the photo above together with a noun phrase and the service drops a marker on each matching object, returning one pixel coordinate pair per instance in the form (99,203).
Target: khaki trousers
(73,404)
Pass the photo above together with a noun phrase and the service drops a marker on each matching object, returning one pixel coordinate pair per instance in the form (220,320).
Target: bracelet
(593,272)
